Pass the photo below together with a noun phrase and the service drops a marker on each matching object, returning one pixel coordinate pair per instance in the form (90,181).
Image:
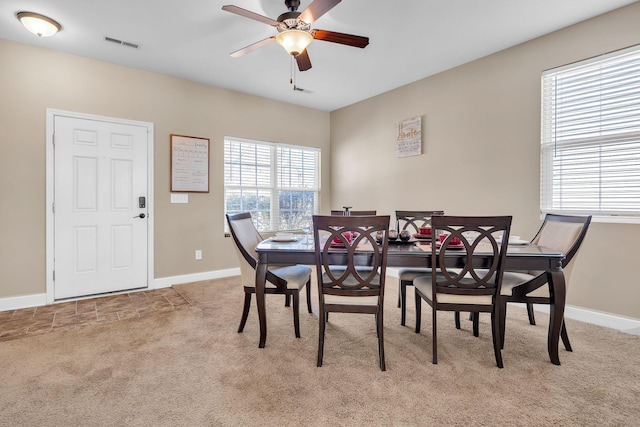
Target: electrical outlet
(198,254)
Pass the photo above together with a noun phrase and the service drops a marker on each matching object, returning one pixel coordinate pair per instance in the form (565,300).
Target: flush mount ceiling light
(39,25)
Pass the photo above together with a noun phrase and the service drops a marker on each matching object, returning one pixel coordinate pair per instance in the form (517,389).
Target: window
(590,160)
(279,184)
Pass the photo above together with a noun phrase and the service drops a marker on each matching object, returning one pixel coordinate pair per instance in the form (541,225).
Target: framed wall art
(189,164)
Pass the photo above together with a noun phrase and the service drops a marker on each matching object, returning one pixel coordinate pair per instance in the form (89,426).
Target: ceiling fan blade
(304,63)
(348,39)
(252,47)
(316,9)
(251,15)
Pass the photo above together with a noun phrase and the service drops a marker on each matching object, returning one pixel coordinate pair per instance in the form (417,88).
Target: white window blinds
(590,160)
(279,184)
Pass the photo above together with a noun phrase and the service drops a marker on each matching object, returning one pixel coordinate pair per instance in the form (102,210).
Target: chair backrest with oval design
(468,276)
(413,220)
(348,258)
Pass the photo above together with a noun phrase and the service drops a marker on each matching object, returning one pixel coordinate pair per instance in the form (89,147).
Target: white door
(100,207)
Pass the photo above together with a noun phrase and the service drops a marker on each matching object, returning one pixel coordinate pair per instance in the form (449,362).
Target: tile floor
(79,314)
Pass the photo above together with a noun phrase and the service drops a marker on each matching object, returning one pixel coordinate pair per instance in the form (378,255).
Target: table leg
(261,278)
(558,293)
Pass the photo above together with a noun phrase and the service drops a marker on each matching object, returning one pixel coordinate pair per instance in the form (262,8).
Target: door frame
(51,113)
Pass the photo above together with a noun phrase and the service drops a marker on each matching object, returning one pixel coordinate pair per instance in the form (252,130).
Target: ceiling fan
(294,30)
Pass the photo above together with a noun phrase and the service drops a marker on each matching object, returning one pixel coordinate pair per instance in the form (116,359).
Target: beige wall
(481,152)
(34,79)
(481,137)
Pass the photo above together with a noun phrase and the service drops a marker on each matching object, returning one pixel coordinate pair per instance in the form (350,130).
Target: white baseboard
(621,323)
(16,303)
(166,282)
(35,300)
(613,321)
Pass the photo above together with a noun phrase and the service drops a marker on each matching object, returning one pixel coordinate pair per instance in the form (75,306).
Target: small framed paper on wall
(409,140)
(189,164)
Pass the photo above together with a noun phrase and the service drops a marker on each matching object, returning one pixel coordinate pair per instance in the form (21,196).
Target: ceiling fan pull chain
(292,79)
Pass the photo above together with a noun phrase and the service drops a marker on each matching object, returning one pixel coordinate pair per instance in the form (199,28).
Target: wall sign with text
(409,140)
(189,164)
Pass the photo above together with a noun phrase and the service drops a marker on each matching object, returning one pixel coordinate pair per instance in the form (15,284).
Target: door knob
(140,216)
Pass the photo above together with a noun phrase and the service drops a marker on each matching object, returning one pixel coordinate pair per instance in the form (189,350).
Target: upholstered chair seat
(296,276)
(424,285)
(510,280)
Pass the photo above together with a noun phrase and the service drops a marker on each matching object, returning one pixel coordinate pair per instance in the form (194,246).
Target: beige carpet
(189,367)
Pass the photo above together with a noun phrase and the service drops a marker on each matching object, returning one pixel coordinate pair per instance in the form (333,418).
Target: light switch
(179,198)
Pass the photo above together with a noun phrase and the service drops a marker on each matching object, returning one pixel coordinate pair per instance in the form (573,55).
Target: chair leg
(403,303)
(476,324)
(322,324)
(287,300)
(532,316)
(309,296)
(296,313)
(245,311)
(456,318)
(502,321)
(400,294)
(418,312)
(495,331)
(565,337)
(434,337)
(380,329)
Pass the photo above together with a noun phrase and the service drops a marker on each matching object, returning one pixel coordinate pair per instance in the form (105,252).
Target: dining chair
(354,213)
(466,285)
(412,221)
(283,280)
(564,233)
(351,269)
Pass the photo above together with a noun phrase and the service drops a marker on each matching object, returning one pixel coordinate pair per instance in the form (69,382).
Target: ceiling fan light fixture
(40,25)
(294,41)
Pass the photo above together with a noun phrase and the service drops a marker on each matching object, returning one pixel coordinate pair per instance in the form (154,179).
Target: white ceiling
(192,40)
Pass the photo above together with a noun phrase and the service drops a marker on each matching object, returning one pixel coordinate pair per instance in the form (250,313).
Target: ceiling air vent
(121,42)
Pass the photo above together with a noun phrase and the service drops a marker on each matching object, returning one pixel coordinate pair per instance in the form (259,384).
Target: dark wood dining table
(519,257)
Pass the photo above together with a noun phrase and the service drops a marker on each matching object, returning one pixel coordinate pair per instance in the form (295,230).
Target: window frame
(275,187)
(553,140)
